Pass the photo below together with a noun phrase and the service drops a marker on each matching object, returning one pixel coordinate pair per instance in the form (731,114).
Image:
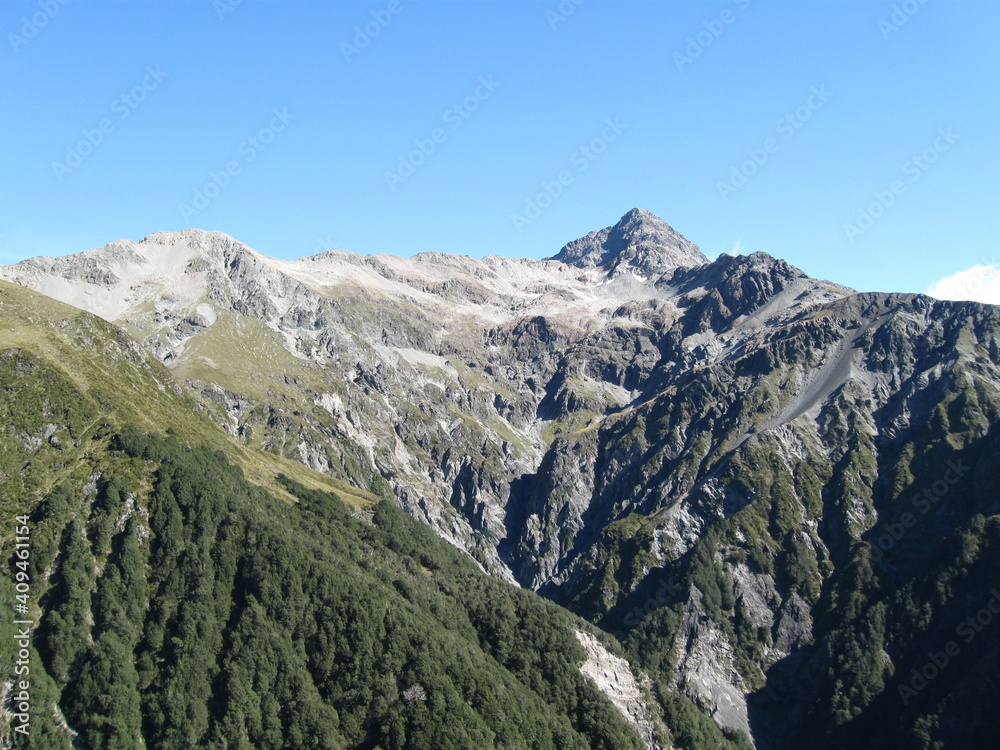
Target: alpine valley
(675,502)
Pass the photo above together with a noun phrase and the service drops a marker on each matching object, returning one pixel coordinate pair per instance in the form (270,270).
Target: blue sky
(856,139)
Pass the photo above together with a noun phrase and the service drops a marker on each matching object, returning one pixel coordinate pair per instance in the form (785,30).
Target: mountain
(775,491)
(187,591)
(640,241)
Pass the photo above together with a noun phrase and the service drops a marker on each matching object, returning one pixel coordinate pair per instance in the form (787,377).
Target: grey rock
(530,411)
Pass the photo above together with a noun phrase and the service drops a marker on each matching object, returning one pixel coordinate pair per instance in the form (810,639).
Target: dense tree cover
(206,613)
(65,630)
(907,648)
(916,665)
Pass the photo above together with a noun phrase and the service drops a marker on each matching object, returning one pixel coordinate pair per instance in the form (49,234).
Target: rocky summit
(777,493)
(640,241)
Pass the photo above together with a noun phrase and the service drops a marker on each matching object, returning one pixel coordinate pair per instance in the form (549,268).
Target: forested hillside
(188,608)
(178,604)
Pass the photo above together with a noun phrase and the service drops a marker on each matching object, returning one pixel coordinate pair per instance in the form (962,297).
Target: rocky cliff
(700,456)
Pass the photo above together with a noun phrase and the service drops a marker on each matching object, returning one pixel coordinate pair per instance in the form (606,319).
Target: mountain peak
(640,240)
(641,214)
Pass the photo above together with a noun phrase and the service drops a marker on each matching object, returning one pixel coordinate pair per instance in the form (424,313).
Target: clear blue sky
(507,94)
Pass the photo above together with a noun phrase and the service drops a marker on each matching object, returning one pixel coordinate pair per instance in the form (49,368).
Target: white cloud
(981,283)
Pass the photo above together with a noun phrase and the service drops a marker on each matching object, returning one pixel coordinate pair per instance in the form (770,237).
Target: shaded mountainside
(777,492)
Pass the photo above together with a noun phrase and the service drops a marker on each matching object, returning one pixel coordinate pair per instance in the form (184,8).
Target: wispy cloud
(981,283)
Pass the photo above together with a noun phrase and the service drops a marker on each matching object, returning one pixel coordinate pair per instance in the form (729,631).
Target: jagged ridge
(694,454)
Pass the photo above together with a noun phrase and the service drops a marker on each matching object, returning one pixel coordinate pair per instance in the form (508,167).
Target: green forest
(210,614)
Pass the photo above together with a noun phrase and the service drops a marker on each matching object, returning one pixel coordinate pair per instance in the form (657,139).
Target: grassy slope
(80,393)
(244,355)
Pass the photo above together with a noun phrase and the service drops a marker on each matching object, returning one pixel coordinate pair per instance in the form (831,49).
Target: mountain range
(769,497)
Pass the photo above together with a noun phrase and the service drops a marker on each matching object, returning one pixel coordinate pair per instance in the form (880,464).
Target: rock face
(640,241)
(614,677)
(692,454)
(707,666)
